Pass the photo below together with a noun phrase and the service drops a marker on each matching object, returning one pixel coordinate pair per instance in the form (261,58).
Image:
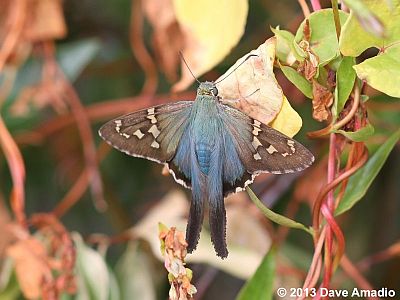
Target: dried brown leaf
(31,266)
(322,100)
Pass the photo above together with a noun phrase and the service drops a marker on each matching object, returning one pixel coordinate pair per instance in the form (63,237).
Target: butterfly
(209,147)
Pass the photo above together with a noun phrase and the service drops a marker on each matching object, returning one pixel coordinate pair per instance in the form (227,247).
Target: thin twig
(83,125)
(17,168)
(9,43)
(351,270)
(315,5)
(139,49)
(354,107)
(304,8)
(79,187)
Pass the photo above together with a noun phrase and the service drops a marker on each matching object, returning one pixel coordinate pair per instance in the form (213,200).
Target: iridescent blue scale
(209,147)
(203,154)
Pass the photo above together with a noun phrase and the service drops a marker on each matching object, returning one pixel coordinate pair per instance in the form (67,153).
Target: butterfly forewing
(153,133)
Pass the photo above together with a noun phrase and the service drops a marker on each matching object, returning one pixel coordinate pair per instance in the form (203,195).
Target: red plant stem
(315,267)
(79,187)
(333,184)
(337,232)
(331,169)
(330,206)
(17,168)
(304,8)
(391,252)
(315,5)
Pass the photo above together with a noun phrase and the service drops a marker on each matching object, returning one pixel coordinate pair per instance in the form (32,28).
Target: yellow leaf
(211,30)
(288,120)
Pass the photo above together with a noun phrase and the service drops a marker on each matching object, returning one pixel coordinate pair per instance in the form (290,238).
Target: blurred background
(110,65)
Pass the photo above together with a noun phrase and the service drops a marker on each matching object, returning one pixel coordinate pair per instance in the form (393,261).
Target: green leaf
(133,271)
(367,19)
(9,288)
(354,39)
(382,72)
(74,57)
(299,81)
(345,77)
(260,286)
(274,217)
(323,40)
(360,135)
(363,178)
(93,274)
(284,45)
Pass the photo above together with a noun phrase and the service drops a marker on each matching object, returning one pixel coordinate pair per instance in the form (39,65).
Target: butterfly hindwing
(153,133)
(262,149)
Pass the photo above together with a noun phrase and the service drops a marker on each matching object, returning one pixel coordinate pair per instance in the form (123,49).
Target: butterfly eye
(214,91)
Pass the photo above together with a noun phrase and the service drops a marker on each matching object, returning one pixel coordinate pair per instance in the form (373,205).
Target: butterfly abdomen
(203,153)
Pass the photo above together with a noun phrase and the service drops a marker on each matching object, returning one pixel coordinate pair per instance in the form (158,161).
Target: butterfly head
(207,88)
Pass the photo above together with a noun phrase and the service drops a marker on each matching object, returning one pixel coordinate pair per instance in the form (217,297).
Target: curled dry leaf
(253,89)
(173,248)
(211,29)
(167,35)
(322,100)
(309,66)
(31,266)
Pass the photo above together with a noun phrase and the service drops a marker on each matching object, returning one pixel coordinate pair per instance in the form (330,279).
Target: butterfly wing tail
(217,213)
(196,212)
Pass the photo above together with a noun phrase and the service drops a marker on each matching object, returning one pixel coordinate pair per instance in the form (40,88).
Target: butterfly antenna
(184,60)
(230,73)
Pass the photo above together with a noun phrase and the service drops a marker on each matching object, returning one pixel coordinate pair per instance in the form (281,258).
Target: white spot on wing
(256,143)
(291,145)
(150,111)
(154,144)
(257,156)
(285,154)
(256,123)
(125,135)
(271,149)
(256,130)
(152,118)
(154,131)
(118,124)
(139,134)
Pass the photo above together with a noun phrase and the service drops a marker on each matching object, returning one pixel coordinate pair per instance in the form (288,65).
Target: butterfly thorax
(205,129)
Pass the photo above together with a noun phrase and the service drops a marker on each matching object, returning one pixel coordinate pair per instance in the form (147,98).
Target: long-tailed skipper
(209,147)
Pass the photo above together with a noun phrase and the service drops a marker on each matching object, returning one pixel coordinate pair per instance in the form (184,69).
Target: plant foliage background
(80,221)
